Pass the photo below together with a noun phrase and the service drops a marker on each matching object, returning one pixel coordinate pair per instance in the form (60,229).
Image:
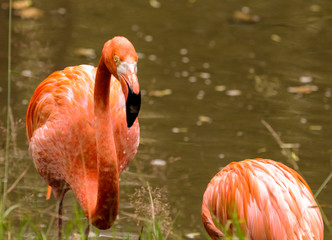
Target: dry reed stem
(285,151)
(18,179)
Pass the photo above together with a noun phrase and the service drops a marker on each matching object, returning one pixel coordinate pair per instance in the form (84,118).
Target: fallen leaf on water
(261,150)
(31,13)
(192,235)
(220,88)
(26,73)
(290,145)
(233,92)
(316,127)
(276,38)
(295,157)
(160,93)
(19,5)
(155,4)
(221,155)
(244,16)
(158,162)
(85,52)
(305,79)
(179,130)
(204,119)
(174,159)
(303,89)
(205,75)
(61,11)
(315,8)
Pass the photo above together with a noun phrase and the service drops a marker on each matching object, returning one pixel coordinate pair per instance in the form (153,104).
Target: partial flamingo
(83,130)
(270,200)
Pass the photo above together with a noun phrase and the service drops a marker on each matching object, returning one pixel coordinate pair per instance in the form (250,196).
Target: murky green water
(207,81)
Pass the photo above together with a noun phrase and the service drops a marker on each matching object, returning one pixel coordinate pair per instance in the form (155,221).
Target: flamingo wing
(61,131)
(271,201)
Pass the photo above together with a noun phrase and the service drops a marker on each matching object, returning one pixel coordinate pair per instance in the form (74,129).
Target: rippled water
(207,79)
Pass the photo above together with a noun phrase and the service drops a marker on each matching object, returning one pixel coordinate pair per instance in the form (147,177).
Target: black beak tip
(133,106)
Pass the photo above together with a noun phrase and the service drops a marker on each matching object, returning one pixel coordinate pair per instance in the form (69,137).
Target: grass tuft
(232,229)
(325,219)
(3,212)
(152,209)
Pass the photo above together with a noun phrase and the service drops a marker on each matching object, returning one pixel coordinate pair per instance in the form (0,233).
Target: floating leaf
(152,57)
(155,4)
(276,38)
(85,52)
(295,157)
(160,93)
(306,89)
(192,79)
(61,11)
(31,13)
(158,162)
(305,79)
(26,73)
(179,130)
(261,150)
(200,94)
(290,145)
(220,88)
(185,59)
(193,235)
(19,5)
(204,119)
(244,16)
(316,127)
(183,51)
(315,8)
(221,156)
(233,92)
(205,75)
(174,159)
(148,38)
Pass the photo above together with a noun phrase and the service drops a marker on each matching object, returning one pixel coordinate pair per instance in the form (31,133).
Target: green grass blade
(323,185)
(5,180)
(8,211)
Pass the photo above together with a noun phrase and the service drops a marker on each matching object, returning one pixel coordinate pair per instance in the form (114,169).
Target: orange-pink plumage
(81,131)
(270,200)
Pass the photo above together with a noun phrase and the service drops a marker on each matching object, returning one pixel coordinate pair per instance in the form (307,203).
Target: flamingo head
(121,60)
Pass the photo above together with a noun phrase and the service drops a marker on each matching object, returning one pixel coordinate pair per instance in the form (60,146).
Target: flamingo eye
(116,60)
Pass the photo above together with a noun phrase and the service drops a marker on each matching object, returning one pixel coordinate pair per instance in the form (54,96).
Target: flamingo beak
(133,105)
(133,95)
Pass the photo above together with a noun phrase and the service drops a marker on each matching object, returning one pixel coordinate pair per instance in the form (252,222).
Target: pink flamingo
(271,201)
(83,130)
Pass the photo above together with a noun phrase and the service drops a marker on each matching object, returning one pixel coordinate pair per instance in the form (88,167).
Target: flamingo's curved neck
(209,225)
(107,203)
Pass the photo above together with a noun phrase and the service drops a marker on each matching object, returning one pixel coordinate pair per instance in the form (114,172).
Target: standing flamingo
(83,130)
(271,201)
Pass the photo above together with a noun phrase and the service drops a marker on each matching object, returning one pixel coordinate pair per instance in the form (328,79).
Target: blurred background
(212,73)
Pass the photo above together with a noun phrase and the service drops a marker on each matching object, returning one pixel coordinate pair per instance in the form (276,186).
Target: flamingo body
(78,133)
(271,201)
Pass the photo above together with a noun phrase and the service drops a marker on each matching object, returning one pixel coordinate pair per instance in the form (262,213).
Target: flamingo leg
(86,231)
(60,215)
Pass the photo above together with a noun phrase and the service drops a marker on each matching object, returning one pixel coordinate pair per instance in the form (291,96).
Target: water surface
(207,82)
